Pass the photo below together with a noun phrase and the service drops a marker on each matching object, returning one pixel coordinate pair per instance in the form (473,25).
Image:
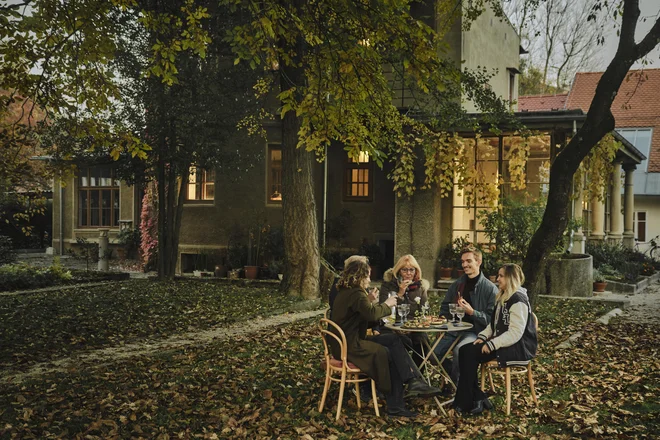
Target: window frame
(203,186)
(115,197)
(273,170)
(351,165)
(636,228)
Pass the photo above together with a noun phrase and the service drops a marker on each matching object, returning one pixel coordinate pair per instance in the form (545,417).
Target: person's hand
(466,305)
(478,341)
(391,301)
(403,285)
(485,349)
(375,332)
(373,294)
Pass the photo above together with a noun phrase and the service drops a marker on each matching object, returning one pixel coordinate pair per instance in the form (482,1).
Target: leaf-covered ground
(267,385)
(42,326)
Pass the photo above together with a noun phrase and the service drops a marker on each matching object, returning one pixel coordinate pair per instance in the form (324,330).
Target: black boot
(418,388)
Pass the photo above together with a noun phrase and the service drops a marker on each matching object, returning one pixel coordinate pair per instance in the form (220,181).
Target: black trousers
(402,368)
(468,390)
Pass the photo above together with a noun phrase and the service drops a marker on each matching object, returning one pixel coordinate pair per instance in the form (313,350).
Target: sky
(650,9)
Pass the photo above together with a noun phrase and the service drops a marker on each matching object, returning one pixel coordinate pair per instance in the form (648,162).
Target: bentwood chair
(516,370)
(341,370)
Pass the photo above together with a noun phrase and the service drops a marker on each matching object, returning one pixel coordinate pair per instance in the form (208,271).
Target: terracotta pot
(599,286)
(445,273)
(251,272)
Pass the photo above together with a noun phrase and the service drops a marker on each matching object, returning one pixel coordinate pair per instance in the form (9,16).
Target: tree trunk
(301,240)
(598,123)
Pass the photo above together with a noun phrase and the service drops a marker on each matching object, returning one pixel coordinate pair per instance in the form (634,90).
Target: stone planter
(569,275)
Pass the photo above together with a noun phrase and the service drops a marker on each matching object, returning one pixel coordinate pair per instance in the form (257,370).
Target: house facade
(354,200)
(632,202)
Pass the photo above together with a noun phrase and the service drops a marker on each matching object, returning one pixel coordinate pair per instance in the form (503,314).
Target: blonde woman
(510,338)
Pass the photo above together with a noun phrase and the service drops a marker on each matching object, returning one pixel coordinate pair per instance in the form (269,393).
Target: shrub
(130,239)
(598,277)
(619,262)
(22,276)
(7,254)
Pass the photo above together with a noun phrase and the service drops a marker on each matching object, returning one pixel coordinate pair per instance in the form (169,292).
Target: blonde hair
(514,279)
(356,272)
(408,259)
(477,253)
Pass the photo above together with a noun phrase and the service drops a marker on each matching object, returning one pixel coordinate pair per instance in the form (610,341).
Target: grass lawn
(43,326)
(268,384)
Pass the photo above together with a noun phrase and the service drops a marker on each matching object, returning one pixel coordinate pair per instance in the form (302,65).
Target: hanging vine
(599,167)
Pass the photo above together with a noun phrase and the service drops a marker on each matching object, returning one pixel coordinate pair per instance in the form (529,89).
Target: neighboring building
(636,110)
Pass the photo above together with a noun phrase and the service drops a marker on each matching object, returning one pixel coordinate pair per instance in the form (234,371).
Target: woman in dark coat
(353,311)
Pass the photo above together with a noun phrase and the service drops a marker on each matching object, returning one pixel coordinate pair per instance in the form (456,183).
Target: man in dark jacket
(476,294)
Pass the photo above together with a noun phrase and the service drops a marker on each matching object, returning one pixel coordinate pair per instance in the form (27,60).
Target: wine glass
(406,310)
(460,312)
(400,311)
(425,309)
(452,311)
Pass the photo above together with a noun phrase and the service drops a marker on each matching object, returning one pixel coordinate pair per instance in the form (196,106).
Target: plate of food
(438,320)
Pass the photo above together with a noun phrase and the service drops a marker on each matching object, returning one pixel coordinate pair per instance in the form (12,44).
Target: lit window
(201,184)
(98,197)
(358,178)
(274,188)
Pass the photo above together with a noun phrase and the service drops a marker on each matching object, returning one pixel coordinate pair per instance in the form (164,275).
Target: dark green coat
(352,311)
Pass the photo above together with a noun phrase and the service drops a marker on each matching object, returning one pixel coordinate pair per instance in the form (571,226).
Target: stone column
(628,207)
(616,229)
(579,239)
(103,250)
(597,219)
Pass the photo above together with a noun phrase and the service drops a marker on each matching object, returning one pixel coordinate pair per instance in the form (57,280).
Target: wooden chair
(346,371)
(493,366)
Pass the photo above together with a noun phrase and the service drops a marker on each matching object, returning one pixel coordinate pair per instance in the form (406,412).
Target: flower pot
(251,272)
(599,286)
(445,273)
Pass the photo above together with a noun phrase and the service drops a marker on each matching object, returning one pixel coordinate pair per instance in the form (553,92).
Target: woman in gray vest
(510,338)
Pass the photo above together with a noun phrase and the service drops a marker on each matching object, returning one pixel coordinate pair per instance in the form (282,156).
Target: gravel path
(644,306)
(114,354)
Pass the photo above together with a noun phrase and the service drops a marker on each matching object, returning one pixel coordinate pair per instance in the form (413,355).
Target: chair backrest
(326,314)
(324,327)
(536,322)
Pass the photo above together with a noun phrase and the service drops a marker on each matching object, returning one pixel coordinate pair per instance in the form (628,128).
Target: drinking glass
(460,312)
(406,310)
(400,311)
(425,309)
(393,315)
(452,311)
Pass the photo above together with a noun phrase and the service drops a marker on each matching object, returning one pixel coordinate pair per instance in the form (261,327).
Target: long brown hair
(355,272)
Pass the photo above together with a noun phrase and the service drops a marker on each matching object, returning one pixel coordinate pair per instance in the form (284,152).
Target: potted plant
(457,247)
(446,263)
(599,281)
(129,242)
(490,266)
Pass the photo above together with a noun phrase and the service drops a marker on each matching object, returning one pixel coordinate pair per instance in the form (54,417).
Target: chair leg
(374,397)
(325,390)
(357,391)
(508,391)
(342,385)
(530,378)
(492,384)
(483,377)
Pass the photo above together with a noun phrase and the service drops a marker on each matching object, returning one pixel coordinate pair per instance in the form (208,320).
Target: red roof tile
(636,105)
(534,103)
